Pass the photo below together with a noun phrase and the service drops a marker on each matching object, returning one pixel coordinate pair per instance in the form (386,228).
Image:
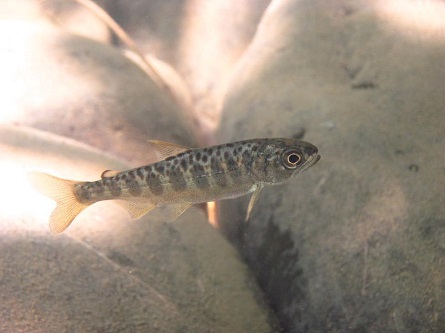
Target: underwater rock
(356,243)
(201,39)
(106,273)
(175,31)
(70,16)
(154,25)
(79,88)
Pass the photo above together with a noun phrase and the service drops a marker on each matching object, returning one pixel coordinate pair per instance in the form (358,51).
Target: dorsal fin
(166,149)
(108,174)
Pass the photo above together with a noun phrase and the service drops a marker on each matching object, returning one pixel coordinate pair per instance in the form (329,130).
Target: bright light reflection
(420,17)
(211,213)
(22,206)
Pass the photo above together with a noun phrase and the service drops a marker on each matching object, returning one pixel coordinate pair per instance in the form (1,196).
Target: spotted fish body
(182,178)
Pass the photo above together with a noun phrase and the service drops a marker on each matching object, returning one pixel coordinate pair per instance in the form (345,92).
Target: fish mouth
(311,161)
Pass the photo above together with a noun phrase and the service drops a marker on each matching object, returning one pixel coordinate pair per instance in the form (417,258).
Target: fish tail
(62,192)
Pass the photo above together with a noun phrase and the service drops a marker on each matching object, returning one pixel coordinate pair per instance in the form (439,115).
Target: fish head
(283,159)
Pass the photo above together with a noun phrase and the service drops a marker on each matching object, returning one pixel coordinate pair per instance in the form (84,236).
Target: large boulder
(356,243)
(77,87)
(202,40)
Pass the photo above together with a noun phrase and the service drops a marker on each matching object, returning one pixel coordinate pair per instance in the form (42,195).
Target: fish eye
(292,159)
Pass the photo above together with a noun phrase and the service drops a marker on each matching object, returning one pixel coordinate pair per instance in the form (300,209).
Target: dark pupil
(293,159)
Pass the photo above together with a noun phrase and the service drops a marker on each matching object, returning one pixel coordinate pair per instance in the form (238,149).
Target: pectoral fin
(166,149)
(253,200)
(136,208)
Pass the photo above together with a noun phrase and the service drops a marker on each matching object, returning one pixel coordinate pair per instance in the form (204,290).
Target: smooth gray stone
(357,242)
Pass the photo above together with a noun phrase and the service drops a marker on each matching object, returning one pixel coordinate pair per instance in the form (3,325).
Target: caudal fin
(62,192)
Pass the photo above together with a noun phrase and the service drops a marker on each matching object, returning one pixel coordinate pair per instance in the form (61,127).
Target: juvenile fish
(183,177)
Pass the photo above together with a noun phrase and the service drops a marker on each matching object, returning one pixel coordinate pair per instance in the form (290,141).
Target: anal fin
(172,212)
(136,208)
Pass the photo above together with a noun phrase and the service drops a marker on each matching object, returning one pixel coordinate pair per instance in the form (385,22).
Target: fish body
(183,177)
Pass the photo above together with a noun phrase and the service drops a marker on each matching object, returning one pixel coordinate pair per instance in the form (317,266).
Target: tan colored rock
(79,88)
(75,18)
(356,243)
(20,10)
(67,15)
(201,39)
(154,25)
(106,273)
(175,31)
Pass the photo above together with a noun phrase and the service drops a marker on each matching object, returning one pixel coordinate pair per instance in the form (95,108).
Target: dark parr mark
(230,163)
(99,187)
(154,184)
(159,167)
(114,188)
(235,174)
(216,165)
(202,183)
(177,181)
(184,164)
(221,179)
(147,169)
(198,171)
(140,173)
(82,192)
(133,188)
